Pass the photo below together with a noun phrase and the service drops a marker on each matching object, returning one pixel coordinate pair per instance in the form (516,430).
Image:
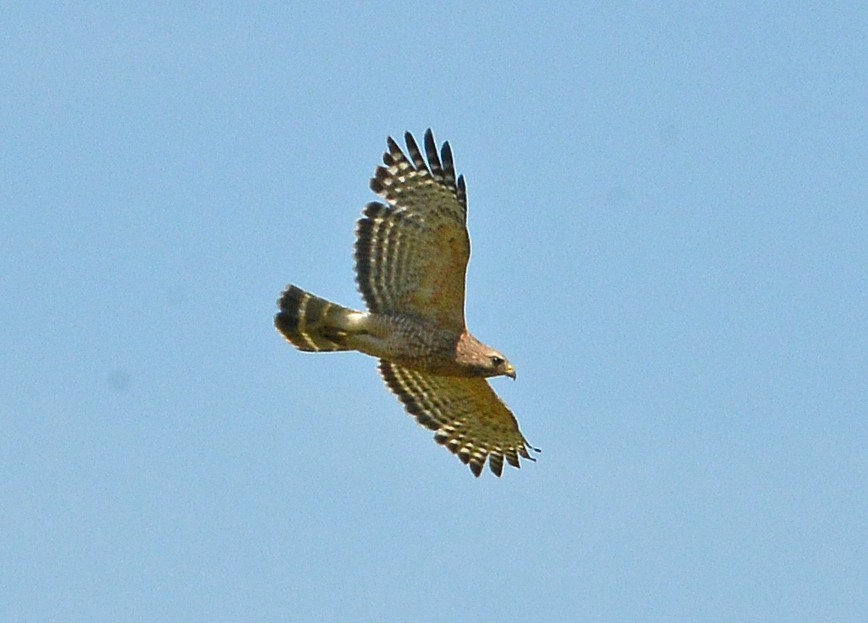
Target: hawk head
(499,365)
(481,360)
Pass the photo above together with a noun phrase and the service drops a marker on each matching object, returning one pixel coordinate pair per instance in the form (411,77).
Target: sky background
(669,216)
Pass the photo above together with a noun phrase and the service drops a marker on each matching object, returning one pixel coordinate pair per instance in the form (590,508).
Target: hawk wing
(465,413)
(411,255)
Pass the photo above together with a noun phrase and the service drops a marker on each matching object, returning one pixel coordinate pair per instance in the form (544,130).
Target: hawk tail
(313,324)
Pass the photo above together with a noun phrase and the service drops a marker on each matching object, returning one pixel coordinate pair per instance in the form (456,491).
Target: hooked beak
(510,372)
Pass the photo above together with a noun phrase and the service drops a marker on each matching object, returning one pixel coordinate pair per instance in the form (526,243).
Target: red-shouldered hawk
(411,258)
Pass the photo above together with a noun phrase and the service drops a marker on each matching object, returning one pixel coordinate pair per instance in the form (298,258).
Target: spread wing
(412,253)
(465,413)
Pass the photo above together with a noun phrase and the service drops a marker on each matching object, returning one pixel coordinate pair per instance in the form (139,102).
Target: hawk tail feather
(313,324)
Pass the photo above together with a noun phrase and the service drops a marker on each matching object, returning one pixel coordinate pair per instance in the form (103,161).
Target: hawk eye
(496,361)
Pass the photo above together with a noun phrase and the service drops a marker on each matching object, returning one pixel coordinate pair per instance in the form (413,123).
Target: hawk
(411,256)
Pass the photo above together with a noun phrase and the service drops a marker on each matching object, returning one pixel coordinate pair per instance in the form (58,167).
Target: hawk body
(411,258)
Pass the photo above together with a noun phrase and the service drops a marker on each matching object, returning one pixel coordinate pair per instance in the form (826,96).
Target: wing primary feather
(433,156)
(448,164)
(415,154)
(393,147)
(495,464)
(462,195)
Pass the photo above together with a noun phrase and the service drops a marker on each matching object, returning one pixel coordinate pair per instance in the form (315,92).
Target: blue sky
(670,242)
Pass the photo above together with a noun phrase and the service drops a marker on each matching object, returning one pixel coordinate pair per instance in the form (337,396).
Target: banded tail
(314,324)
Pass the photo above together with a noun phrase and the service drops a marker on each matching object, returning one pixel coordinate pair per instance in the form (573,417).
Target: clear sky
(669,215)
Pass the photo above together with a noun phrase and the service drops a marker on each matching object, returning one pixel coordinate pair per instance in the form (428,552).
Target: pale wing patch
(465,414)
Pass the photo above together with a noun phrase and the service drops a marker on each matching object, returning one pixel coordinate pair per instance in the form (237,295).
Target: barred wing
(412,253)
(465,413)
